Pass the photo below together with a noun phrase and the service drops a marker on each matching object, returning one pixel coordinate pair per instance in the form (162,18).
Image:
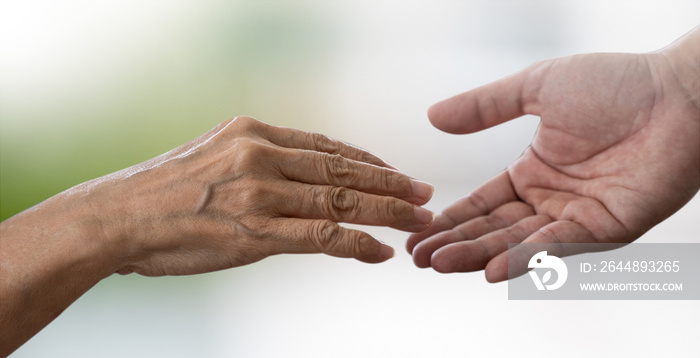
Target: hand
(616,152)
(244,191)
(248,190)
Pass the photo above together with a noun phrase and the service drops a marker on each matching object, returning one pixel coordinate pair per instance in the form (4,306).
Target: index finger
(298,139)
(489,196)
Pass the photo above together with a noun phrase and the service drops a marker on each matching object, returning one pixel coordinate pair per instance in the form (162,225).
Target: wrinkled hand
(617,151)
(247,190)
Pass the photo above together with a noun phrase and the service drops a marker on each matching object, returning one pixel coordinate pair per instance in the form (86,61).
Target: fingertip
(482,107)
(413,240)
(458,257)
(440,225)
(496,270)
(433,110)
(447,115)
(373,251)
(420,257)
(436,114)
(493,277)
(422,191)
(386,252)
(440,262)
(424,217)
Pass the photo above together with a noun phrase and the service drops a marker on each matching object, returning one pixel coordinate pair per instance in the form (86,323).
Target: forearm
(51,255)
(684,59)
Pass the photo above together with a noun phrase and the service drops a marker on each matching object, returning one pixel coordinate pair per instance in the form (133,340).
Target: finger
(440,224)
(298,139)
(551,238)
(490,195)
(326,236)
(467,256)
(486,106)
(500,218)
(581,208)
(341,204)
(327,169)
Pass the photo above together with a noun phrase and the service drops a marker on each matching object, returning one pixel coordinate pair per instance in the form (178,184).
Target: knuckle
(365,247)
(337,168)
(478,202)
(495,220)
(395,182)
(245,123)
(369,158)
(385,181)
(549,234)
(396,212)
(324,143)
(234,129)
(341,202)
(248,153)
(324,234)
(517,232)
(392,207)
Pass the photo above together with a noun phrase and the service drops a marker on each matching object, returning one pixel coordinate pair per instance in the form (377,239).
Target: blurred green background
(87,88)
(91,87)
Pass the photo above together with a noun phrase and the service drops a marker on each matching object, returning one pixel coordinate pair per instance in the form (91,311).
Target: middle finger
(342,204)
(332,169)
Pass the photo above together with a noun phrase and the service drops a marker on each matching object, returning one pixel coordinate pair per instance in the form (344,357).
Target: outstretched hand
(244,191)
(248,190)
(617,151)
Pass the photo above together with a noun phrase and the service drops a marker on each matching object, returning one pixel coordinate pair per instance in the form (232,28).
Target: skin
(617,151)
(244,191)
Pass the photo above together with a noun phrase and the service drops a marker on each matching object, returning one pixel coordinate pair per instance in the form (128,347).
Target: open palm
(617,151)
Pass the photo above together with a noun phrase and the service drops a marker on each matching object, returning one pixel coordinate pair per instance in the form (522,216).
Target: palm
(615,154)
(587,149)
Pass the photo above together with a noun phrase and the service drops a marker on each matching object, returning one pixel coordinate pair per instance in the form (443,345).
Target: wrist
(100,225)
(51,254)
(66,233)
(683,58)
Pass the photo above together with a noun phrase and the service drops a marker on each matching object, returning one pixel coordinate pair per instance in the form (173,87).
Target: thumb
(488,105)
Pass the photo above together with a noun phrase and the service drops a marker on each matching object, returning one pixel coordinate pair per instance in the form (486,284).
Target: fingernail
(422,190)
(387,252)
(424,216)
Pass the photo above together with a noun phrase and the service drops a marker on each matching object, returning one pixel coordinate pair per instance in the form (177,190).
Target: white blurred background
(90,87)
